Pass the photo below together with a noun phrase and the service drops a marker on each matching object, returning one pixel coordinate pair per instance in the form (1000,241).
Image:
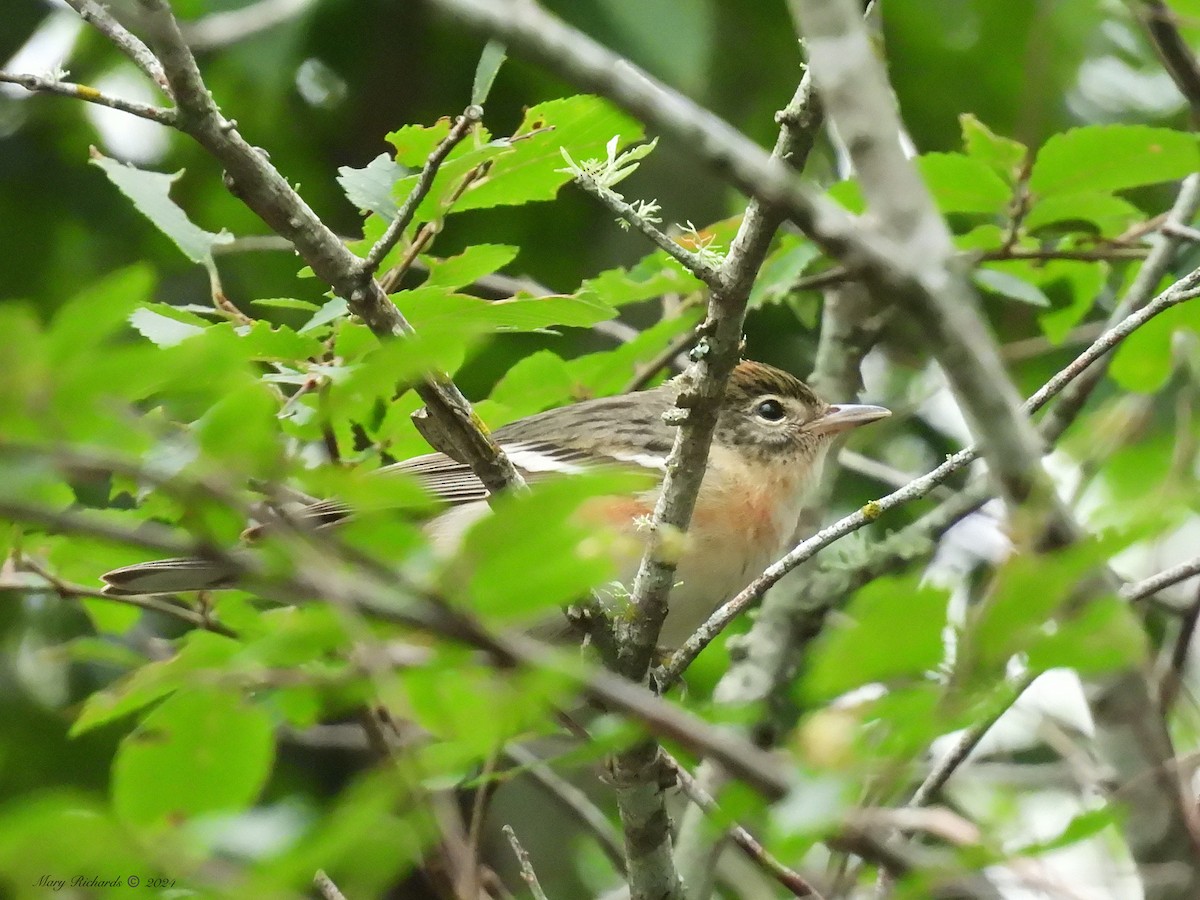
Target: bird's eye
(770,410)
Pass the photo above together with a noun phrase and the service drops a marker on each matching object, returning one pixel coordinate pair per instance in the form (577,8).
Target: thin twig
(690,260)
(573,800)
(1171,682)
(1174,51)
(670,354)
(36,83)
(797,884)
(459,130)
(98,16)
(528,875)
(1148,587)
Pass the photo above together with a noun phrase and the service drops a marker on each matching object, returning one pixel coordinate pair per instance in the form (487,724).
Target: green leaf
(960,184)
(166,326)
(605,373)
(330,312)
(522,169)
(1031,590)
(556,557)
(99,311)
(1083,826)
(653,276)
(1002,155)
(782,268)
(436,309)
(537,382)
(414,143)
(240,431)
(470,265)
(1072,286)
(199,650)
(1007,285)
(490,60)
(150,193)
(1142,362)
(265,341)
(1105,636)
(203,750)
(1112,158)
(370,187)
(864,646)
(1110,215)
(55,833)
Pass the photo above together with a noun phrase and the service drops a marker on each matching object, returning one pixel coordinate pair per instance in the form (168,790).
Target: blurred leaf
(165,326)
(150,193)
(1105,636)
(540,550)
(99,311)
(203,750)
(198,651)
(1010,286)
(477,708)
(1002,155)
(240,432)
(1029,591)
(437,310)
(1142,362)
(1083,826)
(653,276)
(58,834)
(1112,158)
(782,269)
(962,184)
(470,265)
(1110,215)
(490,61)
(862,646)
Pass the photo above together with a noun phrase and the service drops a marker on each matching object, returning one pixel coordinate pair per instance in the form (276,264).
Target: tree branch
(462,125)
(273,199)
(38,84)
(120,37)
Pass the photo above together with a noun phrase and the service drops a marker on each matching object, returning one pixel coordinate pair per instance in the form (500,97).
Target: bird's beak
(844,416)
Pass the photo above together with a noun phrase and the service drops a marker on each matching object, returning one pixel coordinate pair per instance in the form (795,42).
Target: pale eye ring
(769,410)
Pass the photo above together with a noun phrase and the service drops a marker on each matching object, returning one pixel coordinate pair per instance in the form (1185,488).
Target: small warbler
(770,443)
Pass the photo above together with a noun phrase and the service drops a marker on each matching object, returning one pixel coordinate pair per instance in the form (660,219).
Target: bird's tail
(167,576)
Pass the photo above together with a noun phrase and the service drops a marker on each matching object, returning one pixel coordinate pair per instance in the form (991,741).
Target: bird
(771,440)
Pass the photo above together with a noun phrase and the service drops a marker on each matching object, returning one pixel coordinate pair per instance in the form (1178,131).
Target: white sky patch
(128,138)
(45,50)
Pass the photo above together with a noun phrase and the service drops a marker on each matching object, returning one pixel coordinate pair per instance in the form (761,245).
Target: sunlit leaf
(867,635)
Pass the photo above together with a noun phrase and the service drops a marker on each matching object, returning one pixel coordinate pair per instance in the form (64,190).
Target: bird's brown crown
(754,379)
